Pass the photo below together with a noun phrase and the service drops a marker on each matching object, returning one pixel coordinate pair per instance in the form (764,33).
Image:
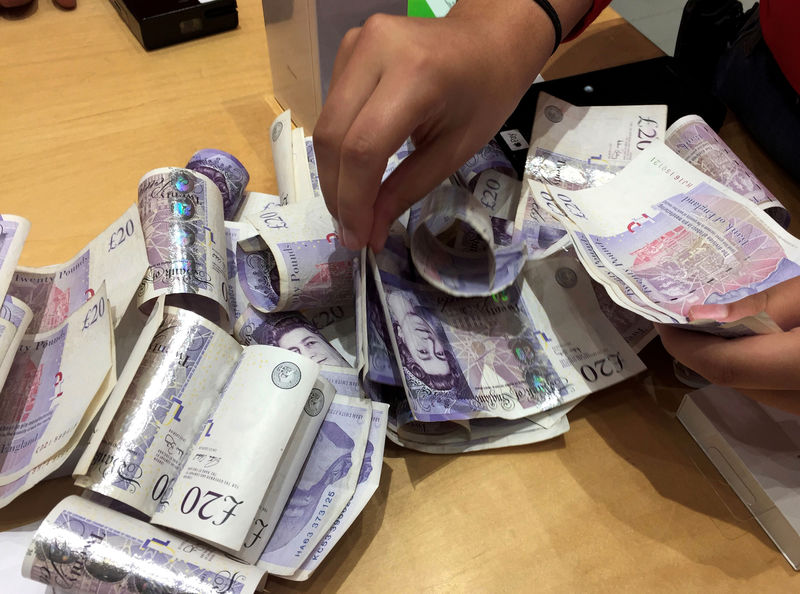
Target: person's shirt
(779,21)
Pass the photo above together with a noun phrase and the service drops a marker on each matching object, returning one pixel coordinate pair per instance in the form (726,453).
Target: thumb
(781,302)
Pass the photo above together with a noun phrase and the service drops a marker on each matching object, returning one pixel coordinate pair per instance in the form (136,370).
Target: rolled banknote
(288,330)
(368,479)
(302,264)
(382,367)
(461,272)
(13,231)
(15,317)
(519,352)
(82,546)
(227,172)
(491,156)
(221,485)
(697,143)
(575,148)
(116,257)
(304,190)
(57,379)
(165,407)
(129,371)
(291,463)
(181,212)
(280,134)
(232,290)
(326,483)
(688,240)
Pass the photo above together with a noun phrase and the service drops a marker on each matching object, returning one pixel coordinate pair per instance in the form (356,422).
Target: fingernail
(714,311)
(349,239)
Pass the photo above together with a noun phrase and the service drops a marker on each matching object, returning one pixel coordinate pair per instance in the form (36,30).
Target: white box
(756,448)
(303,37)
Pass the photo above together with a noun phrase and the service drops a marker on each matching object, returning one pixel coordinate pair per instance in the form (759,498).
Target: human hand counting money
(447,83)
(765,366)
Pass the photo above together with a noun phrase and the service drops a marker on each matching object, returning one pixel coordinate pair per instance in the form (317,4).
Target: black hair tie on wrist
(551,12)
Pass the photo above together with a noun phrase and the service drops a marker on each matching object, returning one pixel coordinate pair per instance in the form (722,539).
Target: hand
(448,83)
(766,367)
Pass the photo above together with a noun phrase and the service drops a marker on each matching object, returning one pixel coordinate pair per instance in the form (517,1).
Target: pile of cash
(251,457)
(262,364)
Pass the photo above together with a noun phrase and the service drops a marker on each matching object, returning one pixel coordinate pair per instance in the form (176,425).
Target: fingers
(763,362)
(355,76)
(417,175)
(781,302)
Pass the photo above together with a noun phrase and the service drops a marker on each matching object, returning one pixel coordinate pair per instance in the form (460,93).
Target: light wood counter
(623,502)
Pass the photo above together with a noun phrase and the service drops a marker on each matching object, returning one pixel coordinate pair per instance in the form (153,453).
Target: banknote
(166,405)
(575,148)
(184,230)
(313,170)
(304,190)
(232,291)
(291,463)
(84,547)
(116,256)
(15,317)
(221,485)
(325,485)
(13,231)
(280,134)
(129,370)
(597,135)
(510,355)
(697,143)
(368,479)
(491,156)
(303,264)
(635,329)
(461,272)
(227,172)
(457,439)
(687,240)
(381,367)
(289,330)
(57,379)
(254,203)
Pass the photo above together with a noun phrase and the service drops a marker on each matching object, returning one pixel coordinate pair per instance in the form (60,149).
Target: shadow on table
(638,422)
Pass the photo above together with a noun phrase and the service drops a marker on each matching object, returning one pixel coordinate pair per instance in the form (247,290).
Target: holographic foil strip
(82,547)
(184,230)
(167,404)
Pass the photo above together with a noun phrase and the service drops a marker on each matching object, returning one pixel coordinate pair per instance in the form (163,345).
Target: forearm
(519,34)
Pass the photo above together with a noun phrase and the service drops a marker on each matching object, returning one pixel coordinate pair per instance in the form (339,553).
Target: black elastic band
(551,12)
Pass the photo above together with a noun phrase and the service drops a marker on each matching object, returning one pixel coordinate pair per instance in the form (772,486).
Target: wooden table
(624,501)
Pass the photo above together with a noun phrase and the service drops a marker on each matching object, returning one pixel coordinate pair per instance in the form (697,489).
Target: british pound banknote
(221,484)
(697,143)
(84,547)
(466,270)
(301,265)
(227,172)
(57,383)
(13,231)
(687,240)
(182,219)
(518,352)
(116,257)
(325,485)
(166,405)
(280,135)
(15,317)
(291,463)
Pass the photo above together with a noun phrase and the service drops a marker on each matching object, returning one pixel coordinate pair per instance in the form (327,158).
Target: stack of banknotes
(119,367)
(219,365)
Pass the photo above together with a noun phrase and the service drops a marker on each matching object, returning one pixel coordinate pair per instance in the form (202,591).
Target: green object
(429,8)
